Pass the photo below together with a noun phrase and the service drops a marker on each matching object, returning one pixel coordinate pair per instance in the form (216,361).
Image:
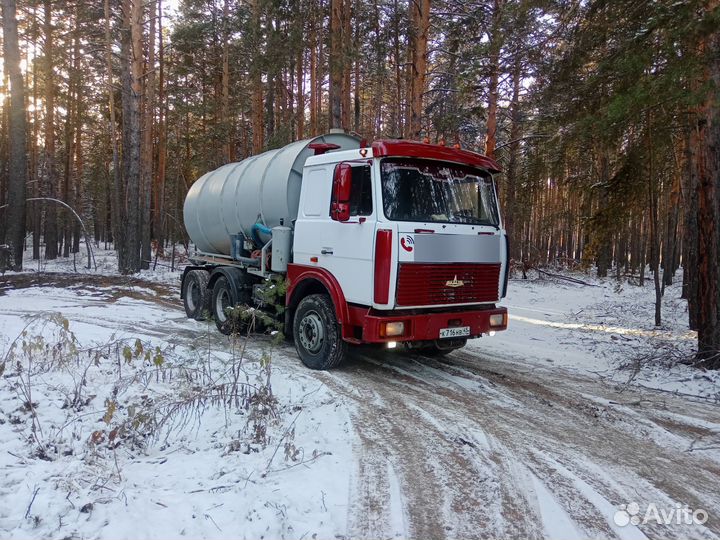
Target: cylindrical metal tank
(260,189)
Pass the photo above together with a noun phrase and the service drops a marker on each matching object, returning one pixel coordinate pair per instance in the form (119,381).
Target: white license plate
(458,331)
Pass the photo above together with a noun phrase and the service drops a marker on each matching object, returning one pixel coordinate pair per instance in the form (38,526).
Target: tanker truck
(392,243)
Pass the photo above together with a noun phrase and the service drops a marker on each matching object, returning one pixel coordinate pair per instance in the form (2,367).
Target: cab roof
(411,149)
(403,148)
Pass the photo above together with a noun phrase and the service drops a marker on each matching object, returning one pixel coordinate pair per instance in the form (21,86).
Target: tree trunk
(36,215)
(117,205)
(346,61)
(419,31)
(654,233)
(707,138)
(673,215)
(147,144)
(512,168)
(356,48)
(131,70)
(314,111)
(603,234)
(270,106)
(225,117)
(51,239)
(158,218)
(398,109)
(300,95)
(71,121)
(336,64)
(495,46)
(77,193)
(256,83)
(690,242)
(643,248)
(17,166)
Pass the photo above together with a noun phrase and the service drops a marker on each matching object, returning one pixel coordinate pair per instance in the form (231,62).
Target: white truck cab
(416,237)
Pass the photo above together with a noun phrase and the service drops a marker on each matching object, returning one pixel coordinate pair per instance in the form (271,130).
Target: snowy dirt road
(479,444)
(473,447)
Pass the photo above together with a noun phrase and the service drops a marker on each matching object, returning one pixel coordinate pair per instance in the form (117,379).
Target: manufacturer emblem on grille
(454,283)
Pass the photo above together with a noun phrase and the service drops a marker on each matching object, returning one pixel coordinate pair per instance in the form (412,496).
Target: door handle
(326,251)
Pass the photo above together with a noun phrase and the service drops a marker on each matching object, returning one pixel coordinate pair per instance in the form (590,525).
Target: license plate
(458,331)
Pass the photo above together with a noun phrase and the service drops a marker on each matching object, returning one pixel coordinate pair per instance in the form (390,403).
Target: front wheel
(317,334)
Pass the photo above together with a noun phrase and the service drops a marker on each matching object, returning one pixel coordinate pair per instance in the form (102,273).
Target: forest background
(603,114)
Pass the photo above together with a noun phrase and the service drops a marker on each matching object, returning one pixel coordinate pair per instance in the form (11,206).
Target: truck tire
(317,334)
(196,295)
(223,298)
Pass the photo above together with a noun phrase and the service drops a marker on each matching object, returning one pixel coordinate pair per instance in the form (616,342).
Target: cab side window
(361,192)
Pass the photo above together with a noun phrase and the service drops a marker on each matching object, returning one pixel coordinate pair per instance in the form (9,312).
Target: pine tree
(17,166)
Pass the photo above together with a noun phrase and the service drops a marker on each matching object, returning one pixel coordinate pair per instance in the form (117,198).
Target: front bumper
(424,326)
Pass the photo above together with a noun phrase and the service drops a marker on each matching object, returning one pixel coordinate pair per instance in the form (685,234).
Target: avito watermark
(630,514)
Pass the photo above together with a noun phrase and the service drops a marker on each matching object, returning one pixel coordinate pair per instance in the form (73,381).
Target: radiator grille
(422,284)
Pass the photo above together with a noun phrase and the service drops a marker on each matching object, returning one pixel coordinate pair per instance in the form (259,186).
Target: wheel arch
(305,281)
(234,276)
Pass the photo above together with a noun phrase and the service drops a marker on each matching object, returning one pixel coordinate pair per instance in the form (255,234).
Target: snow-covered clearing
(598,329)
(138,423)
(220,455)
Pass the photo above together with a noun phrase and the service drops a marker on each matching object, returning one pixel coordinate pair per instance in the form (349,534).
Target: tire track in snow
(445,478)
(588,458)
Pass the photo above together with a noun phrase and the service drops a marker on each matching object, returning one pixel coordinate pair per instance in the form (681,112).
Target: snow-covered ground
(605,328)
(134,422)
(211,457)
(163,269)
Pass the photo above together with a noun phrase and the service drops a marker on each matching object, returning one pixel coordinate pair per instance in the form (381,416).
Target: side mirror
(342,186)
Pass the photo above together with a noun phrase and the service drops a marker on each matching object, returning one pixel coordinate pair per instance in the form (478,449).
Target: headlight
(498,320)
(389,329)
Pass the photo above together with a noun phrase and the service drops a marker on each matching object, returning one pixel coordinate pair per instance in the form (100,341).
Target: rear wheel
(317,334)
(222,299)
(196,295)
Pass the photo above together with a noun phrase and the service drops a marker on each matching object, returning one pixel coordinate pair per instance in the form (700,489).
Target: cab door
(347,246)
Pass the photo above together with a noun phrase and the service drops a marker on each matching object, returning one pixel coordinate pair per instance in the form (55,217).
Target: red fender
(297,273)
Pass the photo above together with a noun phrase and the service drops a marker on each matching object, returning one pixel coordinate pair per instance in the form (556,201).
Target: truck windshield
(433,191)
